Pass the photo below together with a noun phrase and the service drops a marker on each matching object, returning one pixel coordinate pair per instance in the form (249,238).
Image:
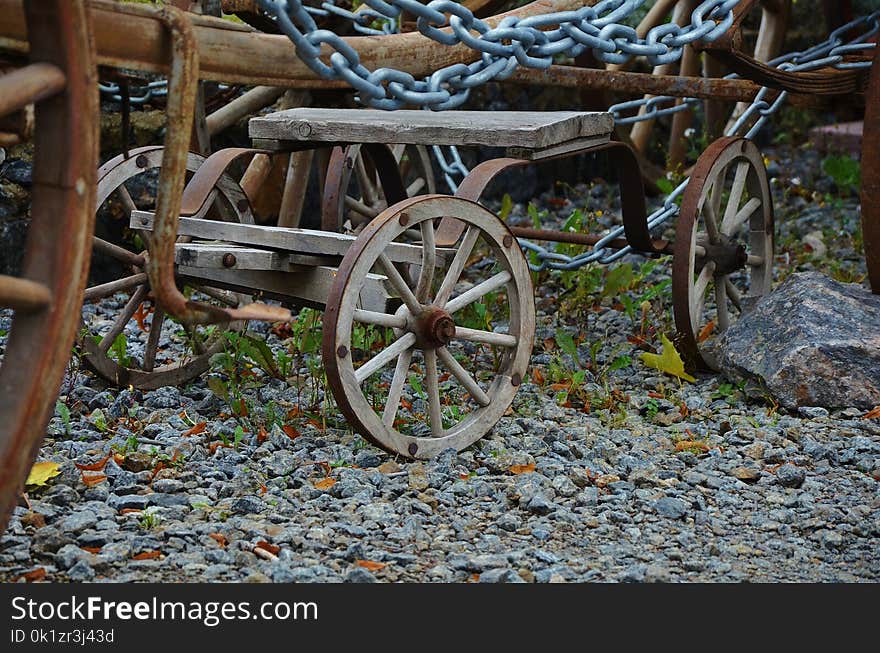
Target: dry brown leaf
(874,413)
(93,479)
(94,467)
(198,428)
(212,448)
(290,431)
(219,538)
(706,331)
(262,435)
(147,555)
(325,483)
(537,376)
(389,467)
(691,445)
(370,565)
(271,548)
(129,511)
(34,575)
(91,549)
(521,469)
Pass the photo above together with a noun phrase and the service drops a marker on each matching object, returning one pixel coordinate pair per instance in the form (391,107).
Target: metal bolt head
(403,219)
(141,161)
(341,351)
(516,379)
(412,448)
(507,241)
(243,205)
(229,260)
(304,130)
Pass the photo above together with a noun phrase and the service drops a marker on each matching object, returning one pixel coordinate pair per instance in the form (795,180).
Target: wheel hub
(433,328)
(728,254)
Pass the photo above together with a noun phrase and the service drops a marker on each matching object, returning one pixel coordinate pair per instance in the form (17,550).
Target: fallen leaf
(537,376)
(521,469)
(318,425)
(370,565)
(291,432)
(262,435)
(325,483)
(147,555)
(271,548)
(212,448)
(669,361)
(198,428)
(873,413)
(93,479)
(389,467)
(263,488)
(94,467)
(219,538)
(91,549)
(140,315)
(294,412)
(41,472)
(118,458)
(34,575)
(605,480)
(706,331)
(31,518)
(691,445)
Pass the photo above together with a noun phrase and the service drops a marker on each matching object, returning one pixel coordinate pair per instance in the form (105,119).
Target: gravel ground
(635,477)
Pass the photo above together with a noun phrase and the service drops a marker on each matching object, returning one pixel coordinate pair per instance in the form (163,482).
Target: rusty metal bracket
(632,201)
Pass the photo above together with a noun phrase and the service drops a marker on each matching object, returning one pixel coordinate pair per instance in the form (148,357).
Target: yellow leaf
(667,361)
(42,472)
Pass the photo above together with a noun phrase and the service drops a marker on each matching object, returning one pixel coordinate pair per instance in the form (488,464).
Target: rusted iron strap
(622,159)
(205,179)
(734,90)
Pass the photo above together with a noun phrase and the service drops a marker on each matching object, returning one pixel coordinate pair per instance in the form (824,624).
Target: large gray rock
(811,342)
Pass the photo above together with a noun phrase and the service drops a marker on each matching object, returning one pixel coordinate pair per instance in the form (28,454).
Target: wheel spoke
(397,151)
(486,337)
(417,185)
(384,357)
(127,312)
(429,261)
(721,305)
(710,218)
(463,377)
(153,339)
(360,208)
(125,198)
(731,224)
(480,290)
(699,296)
(368,191)
(406,294)
(457,266)
(736,191)
(196,340)
(113,287)
(432,386)
(223,296)
(396,390)
(117,252)
(23,294)
(379,319)
(733,293)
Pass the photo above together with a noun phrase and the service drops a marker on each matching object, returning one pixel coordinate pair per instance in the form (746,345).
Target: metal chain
(828,53)
(513,42)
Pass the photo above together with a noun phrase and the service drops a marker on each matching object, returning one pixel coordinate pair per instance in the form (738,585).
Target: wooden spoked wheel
(61,81)
(356,191)
(442,368)
(141,346)
(723,256)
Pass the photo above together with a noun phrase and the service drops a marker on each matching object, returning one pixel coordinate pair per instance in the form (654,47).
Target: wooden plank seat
(524,134)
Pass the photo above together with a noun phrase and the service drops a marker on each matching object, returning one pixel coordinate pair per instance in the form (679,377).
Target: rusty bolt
(229,260)
(304,130)
(242,205)
(145,221)
(404,219)
(508,241)
(341,352)
(141,161)
(412,448)
(516,379)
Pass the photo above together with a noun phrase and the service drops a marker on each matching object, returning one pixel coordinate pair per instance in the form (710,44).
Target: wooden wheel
(723,256)
(357,186)
(61,80)
(135,348)
(441,369)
